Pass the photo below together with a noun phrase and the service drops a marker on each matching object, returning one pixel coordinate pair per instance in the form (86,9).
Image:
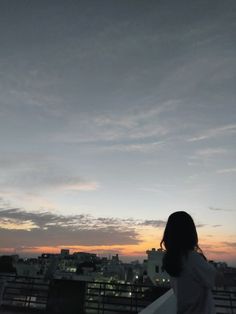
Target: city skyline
(113,115)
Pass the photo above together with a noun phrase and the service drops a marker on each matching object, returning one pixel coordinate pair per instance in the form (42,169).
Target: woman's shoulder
(202,268)
(196,256)
(196,259)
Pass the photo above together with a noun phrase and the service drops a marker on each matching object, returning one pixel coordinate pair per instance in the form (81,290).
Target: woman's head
(180,233)
(180,237)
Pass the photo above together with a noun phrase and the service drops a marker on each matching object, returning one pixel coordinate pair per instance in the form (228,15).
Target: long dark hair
(179,238)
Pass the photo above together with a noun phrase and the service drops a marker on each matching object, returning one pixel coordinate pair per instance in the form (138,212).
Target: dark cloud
(217,252)
(49,219)
(108,221)
(230,244)
(153,223)
(61,236)
(24,248)
(43,219)
(55,230)
(215,226)
(200,225)
(47,228)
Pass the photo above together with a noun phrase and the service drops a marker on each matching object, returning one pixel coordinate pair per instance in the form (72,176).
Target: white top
(193,287)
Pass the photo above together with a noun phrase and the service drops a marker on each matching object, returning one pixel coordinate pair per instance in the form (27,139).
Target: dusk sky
(114,114)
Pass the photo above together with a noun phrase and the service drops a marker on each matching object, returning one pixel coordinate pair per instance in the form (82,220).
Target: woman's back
(193,286)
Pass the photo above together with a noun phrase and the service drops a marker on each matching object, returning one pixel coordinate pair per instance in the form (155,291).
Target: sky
(113,115)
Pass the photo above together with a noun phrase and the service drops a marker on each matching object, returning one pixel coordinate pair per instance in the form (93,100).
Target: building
(154,267)
(65,252)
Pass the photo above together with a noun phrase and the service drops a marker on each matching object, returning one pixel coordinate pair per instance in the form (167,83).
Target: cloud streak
(227,171)
(134,147)
(218,209)
(230,244)
(36,173)
(136,125)
(211,152)
(224,130)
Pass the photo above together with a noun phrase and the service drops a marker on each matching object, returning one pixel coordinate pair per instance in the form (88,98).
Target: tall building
(65,252)
(154,267)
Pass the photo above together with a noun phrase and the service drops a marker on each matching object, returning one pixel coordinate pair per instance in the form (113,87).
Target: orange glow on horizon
(215,247)
(213,250)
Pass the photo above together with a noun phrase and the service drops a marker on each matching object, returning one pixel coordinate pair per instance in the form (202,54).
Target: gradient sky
(113,114)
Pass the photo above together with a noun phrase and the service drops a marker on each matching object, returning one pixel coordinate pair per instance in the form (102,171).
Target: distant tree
(6,265)
(83,265)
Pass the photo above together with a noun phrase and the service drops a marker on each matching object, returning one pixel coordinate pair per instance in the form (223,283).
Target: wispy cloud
(35,173)
(226,170)
(214,132)
(77,184)
(152,190)
(220,209)
(158,188)
(138,147)
(211,152)
(38,180)
(136,124)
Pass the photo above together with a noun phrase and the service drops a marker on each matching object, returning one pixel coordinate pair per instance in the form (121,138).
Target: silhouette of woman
(192,277)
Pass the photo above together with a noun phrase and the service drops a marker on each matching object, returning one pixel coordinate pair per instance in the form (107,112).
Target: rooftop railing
(225,302)
(23,292)
(104,297)
(71,296)
(36,294)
